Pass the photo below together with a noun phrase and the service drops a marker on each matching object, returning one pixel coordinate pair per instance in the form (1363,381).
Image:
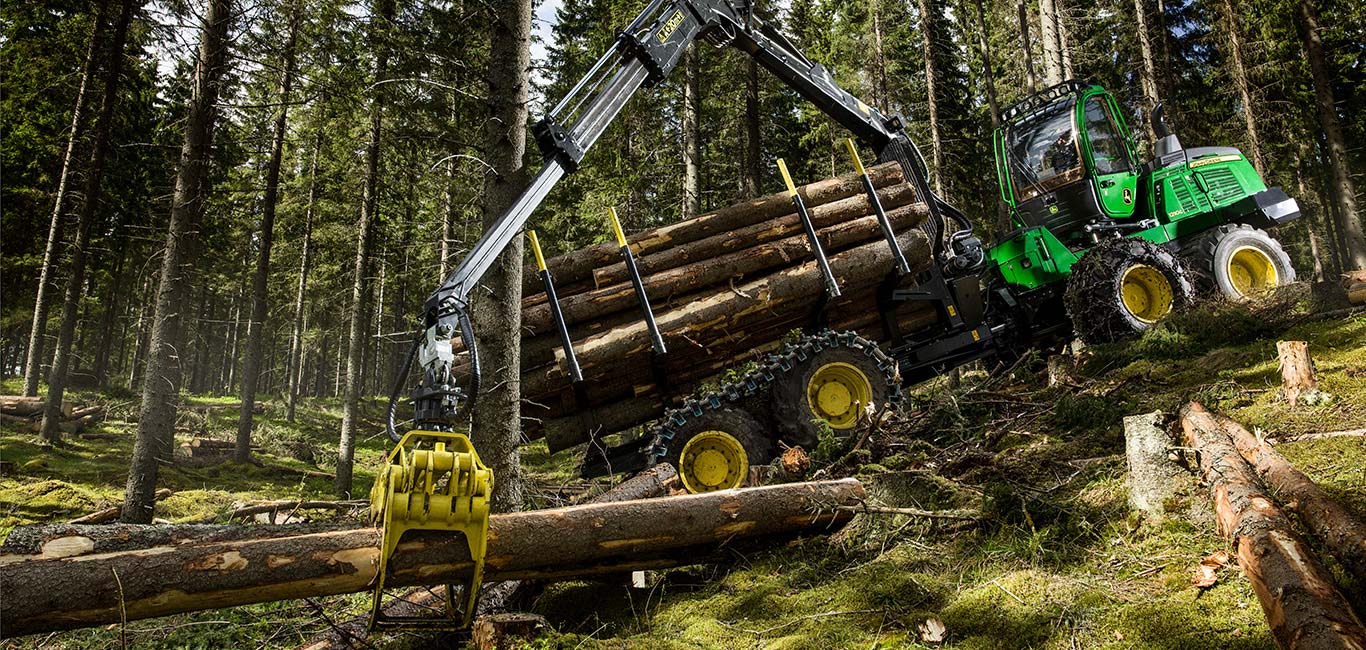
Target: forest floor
(1059,560)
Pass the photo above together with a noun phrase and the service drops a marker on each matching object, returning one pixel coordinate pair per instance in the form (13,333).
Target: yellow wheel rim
(836,392)
(1146,293)
(713,460)
(1251,270)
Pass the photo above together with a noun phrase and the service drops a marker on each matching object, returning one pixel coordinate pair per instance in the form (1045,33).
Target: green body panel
(1184,199)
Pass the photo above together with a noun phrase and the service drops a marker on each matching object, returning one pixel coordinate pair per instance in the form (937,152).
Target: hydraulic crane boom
(643,55)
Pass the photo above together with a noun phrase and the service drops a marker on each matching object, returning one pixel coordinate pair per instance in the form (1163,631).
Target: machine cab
(1064,157)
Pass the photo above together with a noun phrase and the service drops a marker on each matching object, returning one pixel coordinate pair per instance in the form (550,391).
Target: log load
(61,577)
(1303,607)
(725,288)
(1341,532)
(1354,283)
(27,414)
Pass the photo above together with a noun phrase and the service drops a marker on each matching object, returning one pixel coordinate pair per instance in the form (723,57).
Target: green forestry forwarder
(1104,246)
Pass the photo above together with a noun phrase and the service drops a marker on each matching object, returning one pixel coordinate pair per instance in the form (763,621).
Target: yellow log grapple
(432,481)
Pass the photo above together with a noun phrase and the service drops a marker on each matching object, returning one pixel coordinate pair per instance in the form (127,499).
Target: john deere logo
(1052,209)
(1128,196)
(670,26)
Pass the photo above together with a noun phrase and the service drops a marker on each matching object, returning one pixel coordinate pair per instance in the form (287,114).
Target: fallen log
(29,406)
(1338,529)
(1302,606)
(111,513)
(64,577)
(495,597)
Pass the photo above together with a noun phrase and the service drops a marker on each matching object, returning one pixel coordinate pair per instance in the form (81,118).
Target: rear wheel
(1122,287)
(714,450)
(835,386)
(1239,261)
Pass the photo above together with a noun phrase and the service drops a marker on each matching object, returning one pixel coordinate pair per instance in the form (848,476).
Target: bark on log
(730,312)
(28,406)
(711,270)
(577,266)
(62,577)
(1340,531)
(1303,607)
(1297,371)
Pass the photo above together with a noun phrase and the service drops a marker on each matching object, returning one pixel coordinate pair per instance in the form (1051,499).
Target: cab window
(1043,152)
(1107,147)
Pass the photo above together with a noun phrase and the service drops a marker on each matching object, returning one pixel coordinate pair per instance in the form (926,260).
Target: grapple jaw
(432,481)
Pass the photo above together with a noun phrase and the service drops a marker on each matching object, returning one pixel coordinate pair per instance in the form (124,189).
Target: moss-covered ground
(1058,562)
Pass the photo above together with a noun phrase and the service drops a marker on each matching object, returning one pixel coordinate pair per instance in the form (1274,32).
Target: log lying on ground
(1341,532)
(63,577)
(111,513)
(1303,607)
(28,406)
(425,601)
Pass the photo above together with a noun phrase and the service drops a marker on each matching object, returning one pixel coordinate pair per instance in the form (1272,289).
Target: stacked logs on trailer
(725,287)
(27,414)
(1258,499)
(61,577)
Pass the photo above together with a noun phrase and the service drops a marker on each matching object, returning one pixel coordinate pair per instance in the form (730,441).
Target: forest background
(254,198)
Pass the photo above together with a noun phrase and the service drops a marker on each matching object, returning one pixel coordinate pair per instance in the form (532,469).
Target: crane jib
(644,54)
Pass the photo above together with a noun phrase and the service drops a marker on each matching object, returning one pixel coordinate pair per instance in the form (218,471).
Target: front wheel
(1121,287)
(1241,261)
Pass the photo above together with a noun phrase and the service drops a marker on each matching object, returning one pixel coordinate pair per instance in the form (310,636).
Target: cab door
(1111,162)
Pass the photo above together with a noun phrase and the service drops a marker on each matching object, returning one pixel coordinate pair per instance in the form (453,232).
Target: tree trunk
(927,36)
(1302,606)
(360,285)
(751,165)
(1341,532)
(498,303)
(1028,47)
(170,569)
(251,366)
(1148,74)
(692,139)
(110,305)
(90,198)
(1240,79)
(161,380)
(1052,54)
(1353,248)
(33,363)
(296,337)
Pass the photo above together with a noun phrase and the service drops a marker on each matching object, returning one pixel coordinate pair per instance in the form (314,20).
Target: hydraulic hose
(397,391)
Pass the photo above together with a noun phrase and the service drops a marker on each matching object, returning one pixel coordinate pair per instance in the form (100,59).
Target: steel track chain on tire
(759,379)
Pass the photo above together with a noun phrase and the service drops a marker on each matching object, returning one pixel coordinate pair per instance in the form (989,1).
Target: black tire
(740,425)
(797,422)
(1211,256)
(1095,290)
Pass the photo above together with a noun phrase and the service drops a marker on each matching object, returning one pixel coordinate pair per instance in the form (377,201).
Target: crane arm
(643,55)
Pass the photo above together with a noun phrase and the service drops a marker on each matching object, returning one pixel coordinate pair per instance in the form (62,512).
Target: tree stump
(506,631)
(1298,383)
